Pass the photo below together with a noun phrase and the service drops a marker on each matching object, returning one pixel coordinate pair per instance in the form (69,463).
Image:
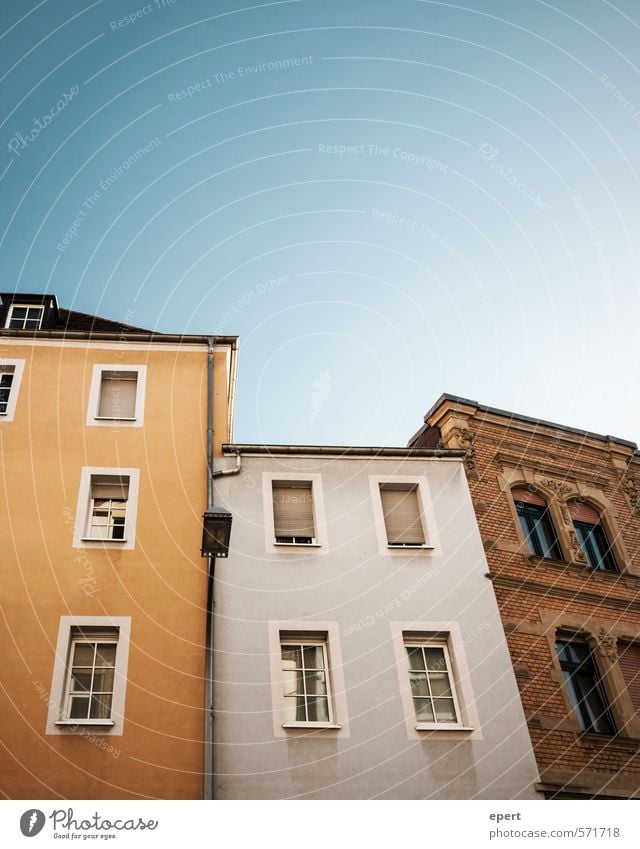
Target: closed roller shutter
(293,510)
(629,660)
(402,516)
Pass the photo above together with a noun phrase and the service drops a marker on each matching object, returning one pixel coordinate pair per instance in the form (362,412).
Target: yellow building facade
(103,445)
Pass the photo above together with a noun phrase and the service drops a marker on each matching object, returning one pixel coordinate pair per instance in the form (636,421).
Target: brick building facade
(559,515)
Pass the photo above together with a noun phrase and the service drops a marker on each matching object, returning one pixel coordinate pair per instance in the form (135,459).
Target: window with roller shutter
(293,514)
(118,395)
(629,663)
(402,518)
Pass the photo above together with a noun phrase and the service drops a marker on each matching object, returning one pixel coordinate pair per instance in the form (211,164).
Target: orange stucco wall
(160,584)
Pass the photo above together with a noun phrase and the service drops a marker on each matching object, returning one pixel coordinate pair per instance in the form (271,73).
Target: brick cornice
(520,584)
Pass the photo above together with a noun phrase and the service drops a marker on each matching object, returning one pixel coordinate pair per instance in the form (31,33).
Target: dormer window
(25,317)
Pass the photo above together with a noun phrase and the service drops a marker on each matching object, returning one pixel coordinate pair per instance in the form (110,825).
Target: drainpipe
(209,729)
(209,666)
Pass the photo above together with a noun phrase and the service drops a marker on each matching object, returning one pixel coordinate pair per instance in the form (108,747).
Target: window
(592,537)
(584,687)
(402,518)
(117,395)
(90,674)
(24,317)
(90,682)
(536,524)
(107,508)
(629,662)
(10,377)
(430,675)
(6,379)
(293,516)
(305,680)
(107,514)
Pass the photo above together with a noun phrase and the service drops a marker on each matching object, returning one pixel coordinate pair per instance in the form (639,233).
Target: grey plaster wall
(353,582)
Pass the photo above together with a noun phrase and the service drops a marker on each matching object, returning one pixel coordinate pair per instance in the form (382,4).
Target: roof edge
(496,411)
(341,451)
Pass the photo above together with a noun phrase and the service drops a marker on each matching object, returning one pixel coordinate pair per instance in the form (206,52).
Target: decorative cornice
(593,598)
(552,468)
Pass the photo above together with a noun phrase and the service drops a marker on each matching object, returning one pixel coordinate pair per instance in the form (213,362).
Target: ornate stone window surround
(556,492)
(603,638)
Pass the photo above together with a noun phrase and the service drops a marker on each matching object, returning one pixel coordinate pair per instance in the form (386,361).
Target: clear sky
(385,199)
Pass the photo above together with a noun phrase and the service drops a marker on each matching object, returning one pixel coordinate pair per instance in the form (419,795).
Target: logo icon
(32,822)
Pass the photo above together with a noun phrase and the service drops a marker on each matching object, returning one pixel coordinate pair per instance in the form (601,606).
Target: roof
(456,399)
(82,321)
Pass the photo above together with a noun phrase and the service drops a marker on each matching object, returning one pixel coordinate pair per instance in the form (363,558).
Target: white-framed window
(10,378)
(107,508)
(89,676)
(432,684)
(434,680)
(25,317)
(305,681)
(402,515)
(293,514)
(116,395)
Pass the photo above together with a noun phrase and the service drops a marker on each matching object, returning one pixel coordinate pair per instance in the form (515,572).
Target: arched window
(536,523)
(592,537)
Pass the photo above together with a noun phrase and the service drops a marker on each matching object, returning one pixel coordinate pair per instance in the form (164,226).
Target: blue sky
(384,200)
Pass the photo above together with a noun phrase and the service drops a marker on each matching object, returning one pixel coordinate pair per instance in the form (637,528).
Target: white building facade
(359,651)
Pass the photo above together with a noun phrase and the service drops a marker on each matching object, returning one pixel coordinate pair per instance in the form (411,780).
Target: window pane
(315,683)
(294,710)
(293,682)
(83,654)
(103,681)
(79,708)
(318,709)
(416,658)
(81,681)
(419,686)
(439,684)
(106,655)
(445,710)
(100,707)
(291,657)
(313,657)
(424,712)
(435,659)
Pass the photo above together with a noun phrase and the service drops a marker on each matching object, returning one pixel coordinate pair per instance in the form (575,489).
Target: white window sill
(115,418)
(299,544)
(100,539)
(430,726)
(310,725)
(410,547)
(74,723)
